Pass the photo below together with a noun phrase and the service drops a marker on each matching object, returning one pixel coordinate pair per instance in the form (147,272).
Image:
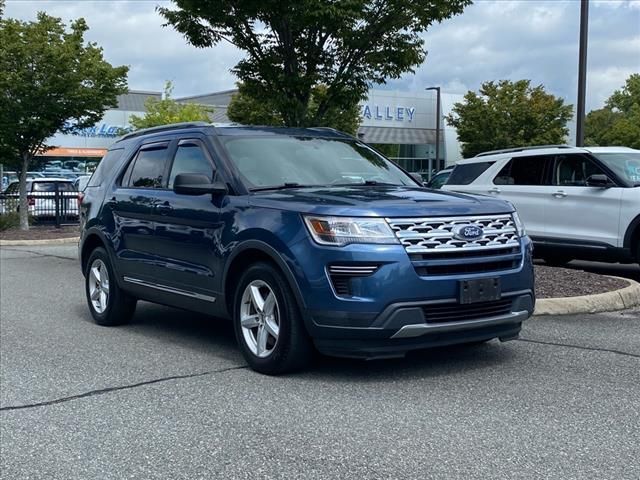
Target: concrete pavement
(169,396)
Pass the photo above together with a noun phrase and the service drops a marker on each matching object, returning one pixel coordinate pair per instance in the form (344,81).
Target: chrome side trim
(418,329)
(165,288)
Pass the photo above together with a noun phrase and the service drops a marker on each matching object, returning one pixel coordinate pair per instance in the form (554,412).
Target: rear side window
(105,167)
(51,187)
(148,167)
(466,173)
(523,171)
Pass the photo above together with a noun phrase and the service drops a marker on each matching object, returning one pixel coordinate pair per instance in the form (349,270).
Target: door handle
(559,194)
(164,208)
(494,190)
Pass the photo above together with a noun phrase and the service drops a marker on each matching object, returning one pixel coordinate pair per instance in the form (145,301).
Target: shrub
(9,220)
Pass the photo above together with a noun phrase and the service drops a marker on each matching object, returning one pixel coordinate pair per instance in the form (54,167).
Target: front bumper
(389,317)
(402,327)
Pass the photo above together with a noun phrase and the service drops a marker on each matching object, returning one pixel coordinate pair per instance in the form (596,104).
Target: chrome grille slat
(434,235)
(434,250)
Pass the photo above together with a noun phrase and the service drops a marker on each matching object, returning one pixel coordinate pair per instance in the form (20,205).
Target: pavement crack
(40,254)
(568,345)
(103,391)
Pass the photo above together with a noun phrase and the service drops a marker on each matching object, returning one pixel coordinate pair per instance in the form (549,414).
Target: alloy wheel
(99,286)
(260,318)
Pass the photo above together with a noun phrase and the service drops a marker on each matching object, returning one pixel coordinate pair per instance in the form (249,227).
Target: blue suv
(307,239)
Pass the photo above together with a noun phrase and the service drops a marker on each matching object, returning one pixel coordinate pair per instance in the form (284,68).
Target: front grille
(434,235)
(455,312)
(434,249)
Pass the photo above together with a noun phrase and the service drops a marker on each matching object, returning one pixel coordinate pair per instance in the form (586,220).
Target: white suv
(575,202)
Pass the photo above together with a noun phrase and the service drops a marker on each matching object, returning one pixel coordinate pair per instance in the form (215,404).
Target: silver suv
(575,202)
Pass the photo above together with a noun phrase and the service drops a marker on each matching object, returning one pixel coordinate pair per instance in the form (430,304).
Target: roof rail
(330,129)
(163,128)
(520,149)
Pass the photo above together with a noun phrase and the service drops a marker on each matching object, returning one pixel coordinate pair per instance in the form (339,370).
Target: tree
(50,81)
(248,110)
(293,47)
(618,123)
(167,110)
(508,114)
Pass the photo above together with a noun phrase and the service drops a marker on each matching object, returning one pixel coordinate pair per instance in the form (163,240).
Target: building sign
(74,152)
(387,112)
(103,130)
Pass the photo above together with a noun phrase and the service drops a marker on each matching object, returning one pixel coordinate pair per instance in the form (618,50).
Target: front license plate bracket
(479,290)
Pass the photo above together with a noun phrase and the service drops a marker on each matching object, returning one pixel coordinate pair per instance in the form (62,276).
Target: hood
(378,201)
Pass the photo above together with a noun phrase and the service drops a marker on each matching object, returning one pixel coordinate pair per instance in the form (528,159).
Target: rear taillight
(80,197)
(31,201)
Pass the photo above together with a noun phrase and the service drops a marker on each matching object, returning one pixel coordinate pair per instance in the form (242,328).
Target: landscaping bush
(9,220)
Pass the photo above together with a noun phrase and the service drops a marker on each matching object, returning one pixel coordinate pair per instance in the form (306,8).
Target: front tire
(108,303)
(267,322)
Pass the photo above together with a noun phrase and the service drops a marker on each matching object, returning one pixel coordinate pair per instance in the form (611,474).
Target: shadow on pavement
(216,336)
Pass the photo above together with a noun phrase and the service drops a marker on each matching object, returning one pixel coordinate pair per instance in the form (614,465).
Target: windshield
(290,161)
(625,164)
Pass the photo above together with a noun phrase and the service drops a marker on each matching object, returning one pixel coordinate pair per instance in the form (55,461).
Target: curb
(52,241)
(622,299)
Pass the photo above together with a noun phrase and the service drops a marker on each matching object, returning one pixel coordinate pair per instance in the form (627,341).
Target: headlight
(519,225)
(344,230)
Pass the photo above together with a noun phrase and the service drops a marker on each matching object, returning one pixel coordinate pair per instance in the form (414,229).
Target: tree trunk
(24,203)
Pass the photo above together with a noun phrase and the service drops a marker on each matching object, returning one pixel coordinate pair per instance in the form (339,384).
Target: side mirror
(197,184)
(599,180)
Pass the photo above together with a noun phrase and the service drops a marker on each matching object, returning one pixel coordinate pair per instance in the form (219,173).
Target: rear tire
(108,303)
(267,322)
(556,260)
(638,252)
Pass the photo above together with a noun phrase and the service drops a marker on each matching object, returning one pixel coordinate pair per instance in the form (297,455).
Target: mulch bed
(40,232)
(553,282)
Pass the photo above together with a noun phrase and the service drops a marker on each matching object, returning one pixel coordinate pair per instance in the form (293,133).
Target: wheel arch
(632,234)
(247,253)
(93,239)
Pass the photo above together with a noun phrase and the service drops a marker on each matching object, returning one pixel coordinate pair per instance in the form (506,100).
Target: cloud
(538,40)
(491,40)
(131,33)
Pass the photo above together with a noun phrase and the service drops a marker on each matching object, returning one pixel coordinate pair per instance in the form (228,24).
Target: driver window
(573,170)
(190,158)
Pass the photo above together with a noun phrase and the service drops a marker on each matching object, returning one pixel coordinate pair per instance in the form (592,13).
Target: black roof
(237,129)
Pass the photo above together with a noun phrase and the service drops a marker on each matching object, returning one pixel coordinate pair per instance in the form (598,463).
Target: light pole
(582,72)
(437,89)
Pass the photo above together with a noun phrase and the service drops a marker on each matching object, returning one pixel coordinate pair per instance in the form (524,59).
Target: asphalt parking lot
(169,397)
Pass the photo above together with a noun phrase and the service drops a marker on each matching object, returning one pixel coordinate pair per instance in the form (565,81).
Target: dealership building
(405,122)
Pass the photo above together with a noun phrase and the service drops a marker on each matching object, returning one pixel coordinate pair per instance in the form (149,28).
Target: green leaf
(507,114)
(310,62)
(50,80)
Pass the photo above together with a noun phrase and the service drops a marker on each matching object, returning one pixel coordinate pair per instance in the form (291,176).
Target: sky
(491,40)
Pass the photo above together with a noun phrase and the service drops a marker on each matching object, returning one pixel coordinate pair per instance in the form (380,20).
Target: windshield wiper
(284,186)
(366,183)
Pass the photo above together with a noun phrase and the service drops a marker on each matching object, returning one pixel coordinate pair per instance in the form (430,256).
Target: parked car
(439,179)
(577,203)
(42,197)
(81,182)
(304,238)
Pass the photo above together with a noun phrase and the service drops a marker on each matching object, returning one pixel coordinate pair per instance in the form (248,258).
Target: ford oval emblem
(467,232)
